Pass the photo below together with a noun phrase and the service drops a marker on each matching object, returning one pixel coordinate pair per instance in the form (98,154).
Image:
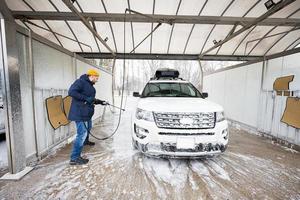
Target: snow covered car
(173,119)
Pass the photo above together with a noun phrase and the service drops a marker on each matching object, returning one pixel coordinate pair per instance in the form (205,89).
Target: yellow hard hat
(92,72)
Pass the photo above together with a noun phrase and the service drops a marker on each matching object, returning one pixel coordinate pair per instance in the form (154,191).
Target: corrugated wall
(54,71)
(247,95)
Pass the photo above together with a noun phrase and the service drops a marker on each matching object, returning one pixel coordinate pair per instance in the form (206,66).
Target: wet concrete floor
(252,168)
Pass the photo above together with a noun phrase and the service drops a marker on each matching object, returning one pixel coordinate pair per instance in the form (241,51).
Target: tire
(134,145)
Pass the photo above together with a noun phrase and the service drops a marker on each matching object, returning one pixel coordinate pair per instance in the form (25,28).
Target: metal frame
(10,72)
(296,45)
(58,34)
(93,25)
(87,24)
(30,7)
(28,27)
(151,40)
(179,19)
(93,55)
(31,69)
(261,59)
(111,29)
(212,29)
(270,12)
(171,34)
(95,28)
(131,25)
(67,23)
(292,44)
(150,34)
(53,45)
(156,27)
(202,75)
(3,64)
(241,42)
(228,35)
(246,13)
(279,39)
(113,81)
(192,29)
(272,35)
(270,32)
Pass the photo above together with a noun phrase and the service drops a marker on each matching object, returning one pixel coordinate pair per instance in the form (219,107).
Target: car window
(170,90)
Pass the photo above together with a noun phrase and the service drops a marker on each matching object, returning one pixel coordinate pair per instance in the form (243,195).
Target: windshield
(170,90)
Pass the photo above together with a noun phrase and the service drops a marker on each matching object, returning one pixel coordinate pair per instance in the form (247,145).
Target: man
(83,95)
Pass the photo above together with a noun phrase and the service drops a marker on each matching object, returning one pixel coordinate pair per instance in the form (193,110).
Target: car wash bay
(253,167)
(46,46)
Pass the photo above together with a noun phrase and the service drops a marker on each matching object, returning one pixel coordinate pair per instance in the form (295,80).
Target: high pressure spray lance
(98,101)
(104,103)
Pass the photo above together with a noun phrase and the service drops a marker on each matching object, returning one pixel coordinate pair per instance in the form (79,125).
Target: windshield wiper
(183,95)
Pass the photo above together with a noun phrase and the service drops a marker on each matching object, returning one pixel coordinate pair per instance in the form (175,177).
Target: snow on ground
(116,171)
(3,155)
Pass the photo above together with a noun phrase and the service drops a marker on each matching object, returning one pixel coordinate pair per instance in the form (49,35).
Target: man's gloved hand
(90,100)
(98,101)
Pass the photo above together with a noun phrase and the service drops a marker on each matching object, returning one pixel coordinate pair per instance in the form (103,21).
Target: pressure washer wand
(116,107)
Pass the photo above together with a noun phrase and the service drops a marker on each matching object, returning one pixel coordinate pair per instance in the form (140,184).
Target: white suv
(173,119)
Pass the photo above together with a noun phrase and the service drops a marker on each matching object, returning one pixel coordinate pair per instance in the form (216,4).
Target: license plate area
(185,143)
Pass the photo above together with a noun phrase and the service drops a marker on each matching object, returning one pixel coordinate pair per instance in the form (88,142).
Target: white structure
(247,95)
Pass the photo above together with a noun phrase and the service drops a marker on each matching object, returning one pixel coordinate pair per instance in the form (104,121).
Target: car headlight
(144,115)
(220,116)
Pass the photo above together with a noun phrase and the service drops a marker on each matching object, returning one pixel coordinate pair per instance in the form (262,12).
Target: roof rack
(166,74)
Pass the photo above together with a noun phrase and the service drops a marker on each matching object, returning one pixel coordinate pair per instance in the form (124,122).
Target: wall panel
(252,102)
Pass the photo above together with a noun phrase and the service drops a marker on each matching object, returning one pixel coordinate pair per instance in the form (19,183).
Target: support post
(10,72)
(113,82)
(31,69)
(201,71)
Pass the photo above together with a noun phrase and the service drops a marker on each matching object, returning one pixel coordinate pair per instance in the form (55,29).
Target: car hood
(178,104)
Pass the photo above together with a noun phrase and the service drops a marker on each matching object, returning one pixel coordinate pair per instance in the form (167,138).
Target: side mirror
(136,94)
(205,95)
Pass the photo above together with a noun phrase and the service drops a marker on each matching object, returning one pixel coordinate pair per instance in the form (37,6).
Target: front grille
(189,133)
(201,147)
(185,120)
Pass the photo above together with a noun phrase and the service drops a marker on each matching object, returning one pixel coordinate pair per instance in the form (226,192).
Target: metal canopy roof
(233,29)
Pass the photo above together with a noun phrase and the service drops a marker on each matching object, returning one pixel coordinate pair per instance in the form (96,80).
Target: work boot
(84,159)
(79,161)
(89,143)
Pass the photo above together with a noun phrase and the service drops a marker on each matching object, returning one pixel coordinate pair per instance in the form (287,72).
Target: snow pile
(3,155)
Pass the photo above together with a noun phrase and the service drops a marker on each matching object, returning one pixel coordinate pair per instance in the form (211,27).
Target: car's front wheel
(134,145)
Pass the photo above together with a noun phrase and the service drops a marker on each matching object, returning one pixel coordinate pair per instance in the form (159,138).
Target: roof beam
(50,29)
(266,35)
(171,34)
(180,19)
(151,39)
(279,39)
(131,25)
(110,26)
(87,24)
(294,42)
(261,59)
(263,17)
(67,23)
(145,56)
(213,28)
(244,15)
(192,29)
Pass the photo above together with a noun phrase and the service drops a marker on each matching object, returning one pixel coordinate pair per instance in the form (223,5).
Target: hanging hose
(122,95)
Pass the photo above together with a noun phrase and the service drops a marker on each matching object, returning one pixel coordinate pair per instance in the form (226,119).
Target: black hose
(122,96)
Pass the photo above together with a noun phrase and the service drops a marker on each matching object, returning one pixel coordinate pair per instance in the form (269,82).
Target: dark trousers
(81,136)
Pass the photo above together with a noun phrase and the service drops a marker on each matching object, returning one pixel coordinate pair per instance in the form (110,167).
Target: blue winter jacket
(80,90)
